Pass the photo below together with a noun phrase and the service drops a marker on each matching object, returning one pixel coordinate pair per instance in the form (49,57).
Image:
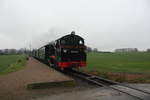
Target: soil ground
(13,85)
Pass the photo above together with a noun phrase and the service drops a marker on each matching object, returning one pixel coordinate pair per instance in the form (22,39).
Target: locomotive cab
(71,51)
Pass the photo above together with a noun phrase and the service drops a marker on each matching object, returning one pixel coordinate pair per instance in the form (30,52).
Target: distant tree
(95,50)
(12,51)
(148,50)
(20,51)
(127,50)
(1,52)
(6,51)
(23,51)
(135,50)
(89,49)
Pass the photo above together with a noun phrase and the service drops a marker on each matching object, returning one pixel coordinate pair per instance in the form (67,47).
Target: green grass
(11,63)
(119,62)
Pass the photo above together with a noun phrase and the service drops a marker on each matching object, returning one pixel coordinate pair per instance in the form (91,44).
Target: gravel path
(13,85)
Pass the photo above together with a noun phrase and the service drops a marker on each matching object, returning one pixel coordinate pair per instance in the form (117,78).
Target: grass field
(11,63)
(119,62)
(120,67)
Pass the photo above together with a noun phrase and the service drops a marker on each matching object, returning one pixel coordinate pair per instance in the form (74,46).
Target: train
(69,51)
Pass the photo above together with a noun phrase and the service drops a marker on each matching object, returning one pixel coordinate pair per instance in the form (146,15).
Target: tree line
(89,49)
(14,51)
(27,51)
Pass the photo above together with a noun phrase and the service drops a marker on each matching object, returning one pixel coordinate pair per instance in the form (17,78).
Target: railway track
(131,91)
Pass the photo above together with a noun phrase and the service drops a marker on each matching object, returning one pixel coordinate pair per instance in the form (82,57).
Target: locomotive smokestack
(73,33)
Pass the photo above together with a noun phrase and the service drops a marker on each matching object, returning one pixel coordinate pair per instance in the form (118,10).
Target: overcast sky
(105,24)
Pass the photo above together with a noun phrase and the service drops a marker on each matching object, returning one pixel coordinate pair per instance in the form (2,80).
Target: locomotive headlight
(65,50)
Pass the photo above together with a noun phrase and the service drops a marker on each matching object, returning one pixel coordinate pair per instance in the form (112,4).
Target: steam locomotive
(68,51)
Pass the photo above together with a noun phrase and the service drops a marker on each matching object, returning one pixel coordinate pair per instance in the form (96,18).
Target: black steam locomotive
(66,52)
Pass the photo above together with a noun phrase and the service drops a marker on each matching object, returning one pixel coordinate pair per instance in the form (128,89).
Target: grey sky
(105,24)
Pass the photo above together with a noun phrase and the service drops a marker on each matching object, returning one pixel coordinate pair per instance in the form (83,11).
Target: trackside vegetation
(12,63)
(121,66)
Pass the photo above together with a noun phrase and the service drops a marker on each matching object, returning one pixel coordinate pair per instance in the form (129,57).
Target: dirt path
(13,85)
